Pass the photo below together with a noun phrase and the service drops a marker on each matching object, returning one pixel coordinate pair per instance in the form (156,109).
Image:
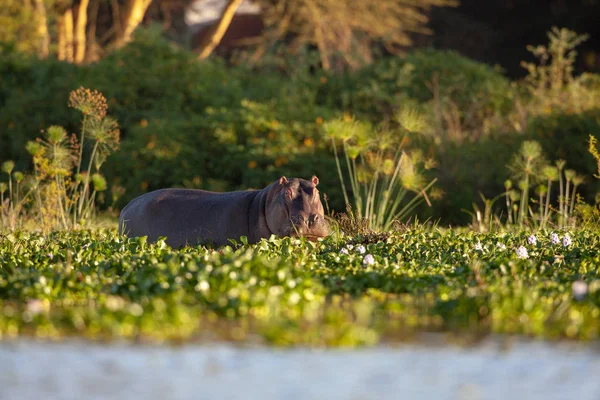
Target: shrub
(380,169)
(33,96)
(223,127)
(459,94)
(564,136)
(66,177)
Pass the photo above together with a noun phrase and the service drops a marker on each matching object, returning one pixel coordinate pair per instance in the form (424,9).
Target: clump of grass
(485,221)
(380,170)
(531,170)
(14,196)
(359,228)
(66,178)
(526,167)
(590,213)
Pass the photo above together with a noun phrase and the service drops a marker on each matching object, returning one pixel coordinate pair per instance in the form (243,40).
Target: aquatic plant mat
(339,292)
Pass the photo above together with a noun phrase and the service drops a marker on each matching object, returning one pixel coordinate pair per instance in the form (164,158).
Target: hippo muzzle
(300,209)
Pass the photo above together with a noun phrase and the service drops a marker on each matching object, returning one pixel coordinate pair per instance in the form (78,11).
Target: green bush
(478,90)
(222,127)
(33,96)
(468,83)
(565,136)
(467,169)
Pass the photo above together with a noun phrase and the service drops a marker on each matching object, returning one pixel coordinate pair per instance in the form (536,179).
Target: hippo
(287,207)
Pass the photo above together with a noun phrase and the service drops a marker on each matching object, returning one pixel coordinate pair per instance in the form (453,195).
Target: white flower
(361,249)
(554,238)
(532,240)
(350,247)
(580,289)
(522,252)
(51,256)
(35,306)
(567,240)
(369,260)
(344,250)
(478,246)
(501,246)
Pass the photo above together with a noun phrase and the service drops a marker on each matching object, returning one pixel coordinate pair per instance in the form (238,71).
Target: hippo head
(294,209)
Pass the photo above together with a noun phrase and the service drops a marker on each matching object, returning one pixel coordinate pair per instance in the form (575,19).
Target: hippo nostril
(314,219)
(300,221)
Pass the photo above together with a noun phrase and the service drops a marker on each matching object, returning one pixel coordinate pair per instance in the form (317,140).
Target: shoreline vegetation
(344,291)
(504,174)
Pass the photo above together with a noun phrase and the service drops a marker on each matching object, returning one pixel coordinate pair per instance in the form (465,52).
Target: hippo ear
(283,180)
(315,180)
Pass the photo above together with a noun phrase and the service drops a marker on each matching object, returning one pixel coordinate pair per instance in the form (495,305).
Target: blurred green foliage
(223,127)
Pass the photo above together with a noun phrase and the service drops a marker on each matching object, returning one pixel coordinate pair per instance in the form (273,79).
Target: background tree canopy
(237,121)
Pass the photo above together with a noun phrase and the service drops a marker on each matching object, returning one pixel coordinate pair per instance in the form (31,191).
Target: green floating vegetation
(338,292)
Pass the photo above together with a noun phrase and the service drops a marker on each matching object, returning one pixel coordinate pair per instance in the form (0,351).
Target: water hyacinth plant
(380,170)
(369,260)
(99,285)
(522,252)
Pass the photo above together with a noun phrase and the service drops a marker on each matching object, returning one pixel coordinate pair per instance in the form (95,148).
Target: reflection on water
(491,369)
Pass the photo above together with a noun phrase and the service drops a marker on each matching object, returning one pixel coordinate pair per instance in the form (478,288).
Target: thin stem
(413,203)
(39,197)
(339,169)
(83,128)
(573,200)
(541,208)
(560,199)
(90,206)
(372,193)
(508,208)
(547,206)
(566,204)
(354,183)
(10,200)
(87,180)
(60,204)
(524,200)
(17,196)
(2,207)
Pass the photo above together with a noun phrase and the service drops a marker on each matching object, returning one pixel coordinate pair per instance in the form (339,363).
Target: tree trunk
(42,29)
(65,36)
(91,44)
(80,31)
(317,22)
(213,40)
(134,15)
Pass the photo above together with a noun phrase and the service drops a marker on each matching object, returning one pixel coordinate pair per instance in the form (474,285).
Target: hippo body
(190,216)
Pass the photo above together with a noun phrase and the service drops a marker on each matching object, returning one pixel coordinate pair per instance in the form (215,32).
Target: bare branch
(134,15)
(213,40)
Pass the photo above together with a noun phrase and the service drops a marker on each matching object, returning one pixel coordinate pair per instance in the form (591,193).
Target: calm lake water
(489,370)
